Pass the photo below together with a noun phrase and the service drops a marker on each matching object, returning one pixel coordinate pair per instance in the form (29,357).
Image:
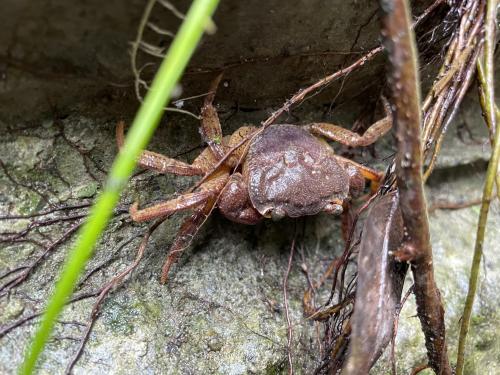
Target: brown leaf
(380,284)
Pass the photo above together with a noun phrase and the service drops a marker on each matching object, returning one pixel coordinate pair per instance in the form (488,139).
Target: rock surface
(222,311)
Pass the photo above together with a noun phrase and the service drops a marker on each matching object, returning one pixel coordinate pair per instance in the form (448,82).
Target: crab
(274,172)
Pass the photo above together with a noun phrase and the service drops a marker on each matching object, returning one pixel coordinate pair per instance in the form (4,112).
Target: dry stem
(404,81)
(443,101)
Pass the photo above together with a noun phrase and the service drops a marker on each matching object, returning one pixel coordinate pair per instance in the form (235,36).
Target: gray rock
(222,310)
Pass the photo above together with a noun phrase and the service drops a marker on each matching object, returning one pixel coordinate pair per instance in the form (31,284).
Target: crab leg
(183,239)
(239,153)
(158,162)
(350,138)
(366,172)
(210,124)
(185,201)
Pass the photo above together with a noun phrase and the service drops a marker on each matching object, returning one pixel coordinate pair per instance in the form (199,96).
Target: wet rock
(222,311)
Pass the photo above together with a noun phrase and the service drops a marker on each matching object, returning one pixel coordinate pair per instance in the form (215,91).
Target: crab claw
(133,211)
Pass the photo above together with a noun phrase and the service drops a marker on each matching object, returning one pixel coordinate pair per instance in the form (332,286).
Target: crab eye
(333,208)
(277,214)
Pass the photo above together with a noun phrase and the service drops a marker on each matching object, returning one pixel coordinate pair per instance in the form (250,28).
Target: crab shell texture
(292,173)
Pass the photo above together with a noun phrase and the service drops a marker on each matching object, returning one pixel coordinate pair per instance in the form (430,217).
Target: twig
(9,285)
(5,329)
(441,205)
(348,248)
(46,212)
(307,299)
(395,330)
(404,82)
(444,98)
(325,313)
(104,292)
(419,369)
(106,262)
(462,86)
(426,12)
(24,185)
(11,236)
(490,179)
(339,349)
(287,313)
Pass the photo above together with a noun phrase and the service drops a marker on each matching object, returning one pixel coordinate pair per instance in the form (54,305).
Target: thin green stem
(491,173)
(484,100)
(145,122)
(484,97)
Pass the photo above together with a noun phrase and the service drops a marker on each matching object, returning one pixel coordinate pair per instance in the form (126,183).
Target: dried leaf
(380,284)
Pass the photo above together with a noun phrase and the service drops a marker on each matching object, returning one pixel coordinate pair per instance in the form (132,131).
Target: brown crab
(281,171)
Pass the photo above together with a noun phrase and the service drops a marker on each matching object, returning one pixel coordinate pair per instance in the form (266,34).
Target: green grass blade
(143,126)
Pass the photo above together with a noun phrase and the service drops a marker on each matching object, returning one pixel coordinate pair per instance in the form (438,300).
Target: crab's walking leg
(235,139)
(161,163)
(366,172)
(350,138)
(163,209)
(208,190)
(210,124)
(347,221)
(188,230)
